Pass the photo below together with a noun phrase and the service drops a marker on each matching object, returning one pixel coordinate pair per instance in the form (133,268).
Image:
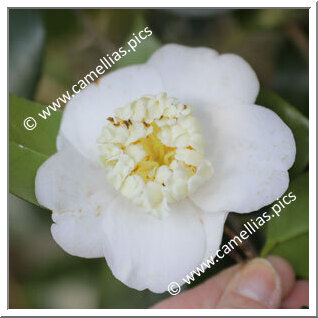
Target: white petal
(77,193)
(62,143)
(86,113)
(250,149)
(213,225)
(146,252)
(201,77)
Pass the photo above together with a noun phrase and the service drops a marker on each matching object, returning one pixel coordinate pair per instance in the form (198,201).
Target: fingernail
(259,281)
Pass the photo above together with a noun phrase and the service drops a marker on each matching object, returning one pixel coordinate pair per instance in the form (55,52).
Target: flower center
(152,152)
(157,155)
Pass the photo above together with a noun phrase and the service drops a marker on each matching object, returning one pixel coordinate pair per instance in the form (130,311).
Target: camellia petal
(251,149)
(62,143)
(86,113)
(147,252)
(78,195)
(202,78)
(133,131)
(213,224)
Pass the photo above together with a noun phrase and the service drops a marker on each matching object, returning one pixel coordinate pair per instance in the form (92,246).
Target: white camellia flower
(152,159)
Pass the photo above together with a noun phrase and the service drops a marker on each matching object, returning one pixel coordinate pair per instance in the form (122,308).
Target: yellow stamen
(158,154)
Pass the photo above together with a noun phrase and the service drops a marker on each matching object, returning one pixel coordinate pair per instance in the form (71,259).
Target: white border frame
(312,155)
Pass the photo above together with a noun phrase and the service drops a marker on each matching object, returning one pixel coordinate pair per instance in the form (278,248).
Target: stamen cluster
(152,151)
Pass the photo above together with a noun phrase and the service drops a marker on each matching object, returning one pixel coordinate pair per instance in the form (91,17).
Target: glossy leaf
(23,165)
(42,138)
(28,149)
(287,235)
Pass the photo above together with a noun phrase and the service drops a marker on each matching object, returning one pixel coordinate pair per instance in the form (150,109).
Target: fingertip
(257,285)
(205,295)
(298,297)
(285,272)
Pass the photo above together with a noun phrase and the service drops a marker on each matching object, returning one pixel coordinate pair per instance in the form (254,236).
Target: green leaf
(42,138)
(26,43)
(28,149)
(287,235)
(143,50)
(23,164)
(296,121)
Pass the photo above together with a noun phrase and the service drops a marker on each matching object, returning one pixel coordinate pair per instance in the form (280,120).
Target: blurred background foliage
(52,49)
